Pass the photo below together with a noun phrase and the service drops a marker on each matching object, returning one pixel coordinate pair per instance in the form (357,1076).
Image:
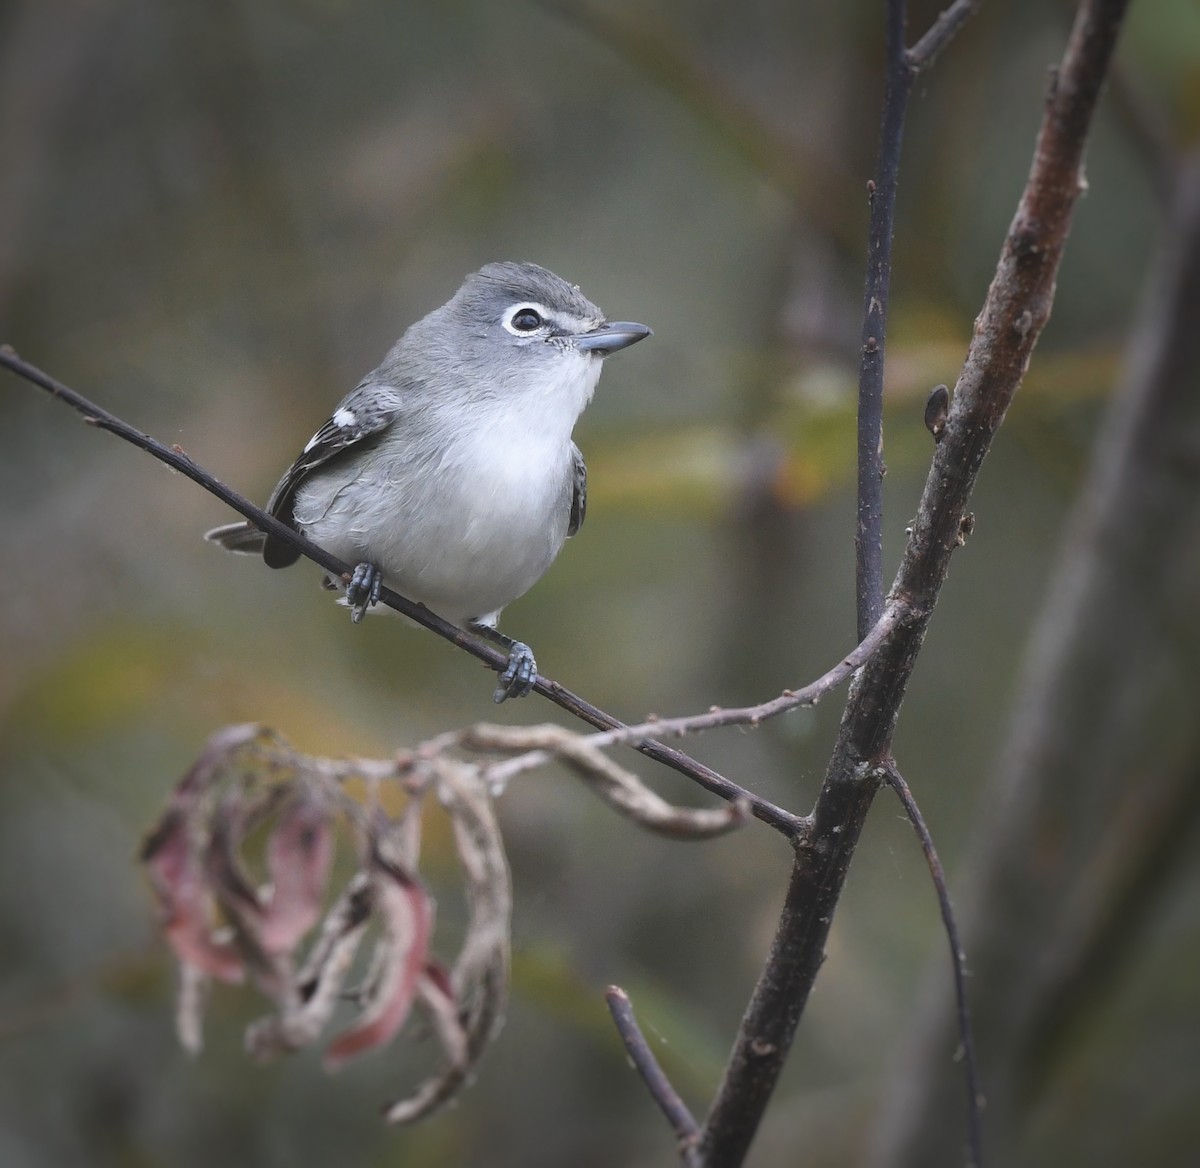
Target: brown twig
(687,1131)
(943,30)
(1014,312)
(895,780)
(783,821)
(790,699)
(792,826)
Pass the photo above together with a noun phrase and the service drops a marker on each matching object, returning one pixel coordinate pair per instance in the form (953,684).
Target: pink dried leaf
(317,985)
(407,915)
(237,898)
(185,901)
(174,868)
(299,857)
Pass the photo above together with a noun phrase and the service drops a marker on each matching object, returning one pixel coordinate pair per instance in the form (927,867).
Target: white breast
(464,508)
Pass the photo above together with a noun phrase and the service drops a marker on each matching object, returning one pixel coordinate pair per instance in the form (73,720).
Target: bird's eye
(526,320)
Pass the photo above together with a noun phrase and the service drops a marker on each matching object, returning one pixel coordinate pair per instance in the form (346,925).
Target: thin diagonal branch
(762,809)
(790,699)
(783,821)
(687,1131)
(895,780)
(1014,313)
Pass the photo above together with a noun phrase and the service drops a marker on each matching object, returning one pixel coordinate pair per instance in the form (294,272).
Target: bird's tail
(243,538)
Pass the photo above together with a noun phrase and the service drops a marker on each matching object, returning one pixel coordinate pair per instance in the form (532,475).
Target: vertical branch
(868,535)
(902,69)
(1015,311)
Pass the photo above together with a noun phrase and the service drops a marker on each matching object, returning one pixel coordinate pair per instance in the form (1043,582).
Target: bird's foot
(519,674)
(363,590)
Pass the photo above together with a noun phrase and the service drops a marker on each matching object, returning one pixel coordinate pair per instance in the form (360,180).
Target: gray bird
(449,473)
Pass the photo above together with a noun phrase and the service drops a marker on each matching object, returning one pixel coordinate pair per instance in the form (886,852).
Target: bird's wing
(578,491)
(364,412)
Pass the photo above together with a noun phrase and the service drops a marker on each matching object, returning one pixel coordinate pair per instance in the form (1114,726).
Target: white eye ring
(531,315)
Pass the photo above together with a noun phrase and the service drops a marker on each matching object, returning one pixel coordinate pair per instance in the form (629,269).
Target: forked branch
(1014,312)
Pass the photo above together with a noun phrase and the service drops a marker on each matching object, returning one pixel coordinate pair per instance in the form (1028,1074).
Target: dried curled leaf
(618,787)
(299,856)
(316,988)
(221,922)
(406,910)
(249,786)
(478,981)
(186,901)
(235,895)
(172,856)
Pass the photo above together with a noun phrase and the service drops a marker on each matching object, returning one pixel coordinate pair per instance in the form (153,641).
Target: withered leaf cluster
(251,797)
(224,926)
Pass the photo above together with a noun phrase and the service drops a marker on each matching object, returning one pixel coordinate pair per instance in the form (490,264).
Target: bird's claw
(519,674)
(364,589)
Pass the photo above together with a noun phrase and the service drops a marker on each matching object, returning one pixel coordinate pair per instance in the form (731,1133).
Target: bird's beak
(608,338)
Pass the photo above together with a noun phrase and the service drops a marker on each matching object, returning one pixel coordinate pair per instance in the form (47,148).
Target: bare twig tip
(682,1122)
(965,1053)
